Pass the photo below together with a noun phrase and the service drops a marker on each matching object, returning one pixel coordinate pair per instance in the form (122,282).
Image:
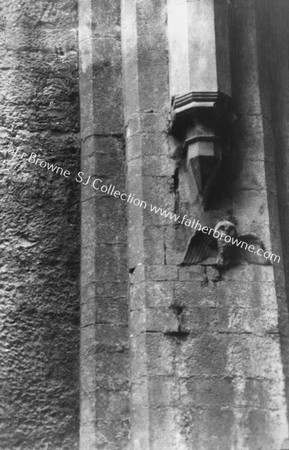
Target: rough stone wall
(39,268)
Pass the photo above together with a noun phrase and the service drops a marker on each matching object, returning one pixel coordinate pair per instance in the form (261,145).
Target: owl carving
(223,247)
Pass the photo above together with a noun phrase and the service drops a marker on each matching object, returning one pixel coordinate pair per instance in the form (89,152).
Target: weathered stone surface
(228,295)
(103,25)
(190,326)
(40,226)
(274,97)
(206,363)
(152,56)
(227,324)
(158,166)
(104,266)
(160,359)
(195,274)
(163,273)
(137,301)
(161,319)
(157,192)
(101,61)
(201,393)
(218,420)
(154,245)
(104,310)
(244,31)
(160,294)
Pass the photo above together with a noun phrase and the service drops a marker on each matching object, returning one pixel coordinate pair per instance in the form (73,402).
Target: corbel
(201,121)
(200,87)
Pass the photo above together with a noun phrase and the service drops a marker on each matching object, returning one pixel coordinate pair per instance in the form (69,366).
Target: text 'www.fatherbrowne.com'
(111,190)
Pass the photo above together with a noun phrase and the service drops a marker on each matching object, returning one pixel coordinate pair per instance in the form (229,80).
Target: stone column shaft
(104,321)
(198,35)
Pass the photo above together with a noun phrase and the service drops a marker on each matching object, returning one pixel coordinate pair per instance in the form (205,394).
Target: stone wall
(39,226)
(104,360)
(171,358)
(273,79)
(206,356)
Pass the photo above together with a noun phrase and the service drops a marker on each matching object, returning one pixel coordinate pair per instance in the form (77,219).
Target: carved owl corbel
(223,247)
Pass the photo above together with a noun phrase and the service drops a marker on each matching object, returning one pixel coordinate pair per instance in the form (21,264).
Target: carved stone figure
(222,247)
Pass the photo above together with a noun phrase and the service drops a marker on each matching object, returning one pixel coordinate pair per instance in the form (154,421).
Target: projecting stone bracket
(202,122)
